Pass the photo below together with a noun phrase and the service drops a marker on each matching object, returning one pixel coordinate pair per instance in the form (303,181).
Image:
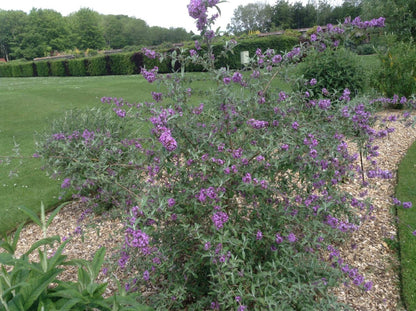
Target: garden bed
(369,248)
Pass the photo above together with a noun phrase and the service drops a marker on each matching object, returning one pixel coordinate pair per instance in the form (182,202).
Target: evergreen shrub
(97,66)
(43,69)
(121,64)
(57,68)
(76,67)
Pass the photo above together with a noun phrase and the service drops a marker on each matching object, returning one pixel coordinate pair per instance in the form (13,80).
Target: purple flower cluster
(375,22)
(137,239)
(198,9)
(120,112)
(352,273)
(66,183)
(342,226)
(149,53)
(150,76)
(257,124)
(219,219)
(167,140)
(379,173)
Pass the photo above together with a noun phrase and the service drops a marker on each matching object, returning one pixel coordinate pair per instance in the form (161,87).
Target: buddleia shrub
(232,203)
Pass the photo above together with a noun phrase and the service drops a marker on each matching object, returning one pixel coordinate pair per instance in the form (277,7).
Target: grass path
(406,192)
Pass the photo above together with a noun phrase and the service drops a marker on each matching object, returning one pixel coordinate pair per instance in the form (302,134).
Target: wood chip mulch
(366,250)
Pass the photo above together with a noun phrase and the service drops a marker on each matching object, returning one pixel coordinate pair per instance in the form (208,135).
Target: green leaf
(35,286)
(96,289)
(68,306)
(7,247)
(97,262)
(83,278)
(46,241)
(16,236)
(31,214)
(69,292)
(7,259)
(57,258)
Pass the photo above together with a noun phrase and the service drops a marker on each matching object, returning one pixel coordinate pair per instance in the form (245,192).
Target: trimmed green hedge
(77,68)
(42,69)
(58,68)
(97,66)
(121,64)
(132,62)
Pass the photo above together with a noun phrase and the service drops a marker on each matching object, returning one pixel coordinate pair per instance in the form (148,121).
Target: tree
(87,33)
(303,16)
(400,15)
(12,24)
(251,17)
(114,30)
(137,32)
(46,31)
(282,15)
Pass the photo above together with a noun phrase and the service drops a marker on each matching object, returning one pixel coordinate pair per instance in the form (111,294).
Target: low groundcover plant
(233,203)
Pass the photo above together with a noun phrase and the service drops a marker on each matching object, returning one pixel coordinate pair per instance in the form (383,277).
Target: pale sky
(163,13)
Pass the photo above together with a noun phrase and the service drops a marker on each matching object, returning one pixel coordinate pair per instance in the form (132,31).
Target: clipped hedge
(58,68)
(97,66)
(132,62)
(121,64)
(42,69)
(77,67)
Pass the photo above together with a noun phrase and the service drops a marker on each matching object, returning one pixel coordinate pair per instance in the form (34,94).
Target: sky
(163,13)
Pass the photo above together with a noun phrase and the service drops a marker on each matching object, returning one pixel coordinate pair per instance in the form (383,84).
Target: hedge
(58,68)
(132,62)
(121,64)
(42,69)
(77,68)
(97,66)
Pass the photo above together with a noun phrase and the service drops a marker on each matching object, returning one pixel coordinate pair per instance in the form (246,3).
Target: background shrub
(5,70)
(334,70)
(397,73)
(163,66)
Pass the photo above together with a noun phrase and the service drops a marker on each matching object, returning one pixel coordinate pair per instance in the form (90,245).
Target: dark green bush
(121,64)
(97,66)
(334,70)
(76,67)
(5,70)
(138,61)
(397,73)
(150,63)
(57,68)
(22,70)
(43,69)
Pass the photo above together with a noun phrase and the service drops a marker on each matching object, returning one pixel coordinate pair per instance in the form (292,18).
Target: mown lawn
(406,192)
(28,105)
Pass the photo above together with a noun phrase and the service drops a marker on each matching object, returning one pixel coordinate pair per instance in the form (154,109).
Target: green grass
(405,192)
(28,105)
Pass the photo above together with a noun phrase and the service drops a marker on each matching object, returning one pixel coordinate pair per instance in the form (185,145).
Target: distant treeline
(43,31)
